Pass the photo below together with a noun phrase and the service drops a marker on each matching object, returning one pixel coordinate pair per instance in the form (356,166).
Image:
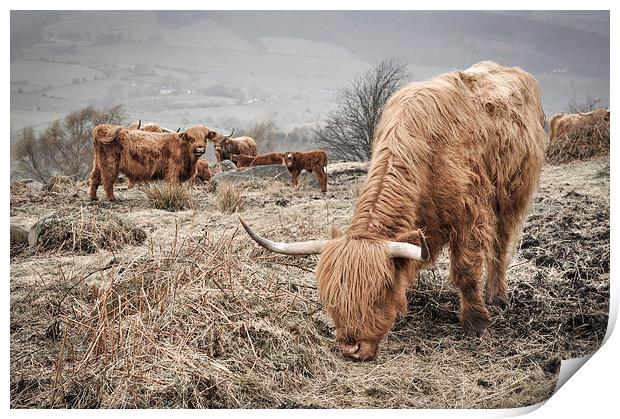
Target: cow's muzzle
(199,151)
(363,350)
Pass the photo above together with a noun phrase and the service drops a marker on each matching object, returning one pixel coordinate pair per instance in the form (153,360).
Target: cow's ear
(208,133)
(184,136)
(334,232)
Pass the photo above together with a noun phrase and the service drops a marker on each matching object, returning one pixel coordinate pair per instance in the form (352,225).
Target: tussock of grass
(169,196)
(86,232)
(588,141)
(228,197)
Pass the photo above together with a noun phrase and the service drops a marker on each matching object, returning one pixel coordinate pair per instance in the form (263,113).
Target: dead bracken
(197,316)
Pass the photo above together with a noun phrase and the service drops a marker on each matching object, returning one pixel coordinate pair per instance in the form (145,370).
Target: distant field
(44,73)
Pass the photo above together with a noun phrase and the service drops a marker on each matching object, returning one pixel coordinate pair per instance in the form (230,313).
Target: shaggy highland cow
(241,160)
(455,162)
(561,125)
(150,127)
(310,161)
(225,147)
(143,156)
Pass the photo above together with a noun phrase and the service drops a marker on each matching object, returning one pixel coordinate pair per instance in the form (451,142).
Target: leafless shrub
(263,133)
(169,196)
(65,147)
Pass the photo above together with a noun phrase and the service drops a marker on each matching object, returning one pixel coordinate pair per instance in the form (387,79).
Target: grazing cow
(144,156)
(203,172)
(563,124)
(311,161)
(226,147)
(241,160)
(455,162)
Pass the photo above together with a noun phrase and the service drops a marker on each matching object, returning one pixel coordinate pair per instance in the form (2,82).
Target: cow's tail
(106,134)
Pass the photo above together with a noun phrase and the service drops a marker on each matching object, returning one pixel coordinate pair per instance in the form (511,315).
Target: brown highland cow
(241,160)
(150,127)
(455,162)
(226,147)
(311,161)
(563,124)
(143,156)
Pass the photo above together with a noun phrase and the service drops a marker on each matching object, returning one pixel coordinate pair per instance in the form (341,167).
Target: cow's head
(361,282)
(196,139)
(289,158)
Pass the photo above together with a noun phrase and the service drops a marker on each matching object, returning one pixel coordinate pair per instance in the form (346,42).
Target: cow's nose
(359,351)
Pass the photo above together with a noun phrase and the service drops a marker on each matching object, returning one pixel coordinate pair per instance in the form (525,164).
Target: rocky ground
(133,306)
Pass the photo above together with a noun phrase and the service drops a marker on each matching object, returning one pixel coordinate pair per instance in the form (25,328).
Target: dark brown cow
(226,147)
(241,160)
(312,161)
(144,156)
(455,161)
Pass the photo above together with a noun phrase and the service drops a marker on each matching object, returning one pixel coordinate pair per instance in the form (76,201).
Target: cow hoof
(475,323)
(93,198)
(498,301)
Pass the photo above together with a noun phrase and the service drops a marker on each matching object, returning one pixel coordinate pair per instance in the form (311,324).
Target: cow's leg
(509,216)
(108,177)
(322,177)
(295,177)
(95,180)
(496,284)
(466,273)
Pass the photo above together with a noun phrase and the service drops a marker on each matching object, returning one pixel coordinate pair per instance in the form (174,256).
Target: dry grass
(169,196)
(209,319)
(586,142)
(228,197)
(86,231)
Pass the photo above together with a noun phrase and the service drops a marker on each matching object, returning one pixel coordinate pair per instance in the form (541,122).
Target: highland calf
(563,124)
(311,161)
(455,162)
(241,160)
(143,156)
(203,172)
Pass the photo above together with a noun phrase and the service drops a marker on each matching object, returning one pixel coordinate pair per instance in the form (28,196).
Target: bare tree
(65,147)
(348,131)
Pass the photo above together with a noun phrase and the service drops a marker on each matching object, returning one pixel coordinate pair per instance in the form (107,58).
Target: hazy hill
(230,69)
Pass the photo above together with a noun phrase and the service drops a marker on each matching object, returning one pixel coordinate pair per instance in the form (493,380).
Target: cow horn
(139,123)
(178,129)
(409,251)
(311,247)
(231,133)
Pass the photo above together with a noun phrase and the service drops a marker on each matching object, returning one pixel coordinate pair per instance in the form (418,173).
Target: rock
(273,171)
(227,166)
(19,234)
(39,227)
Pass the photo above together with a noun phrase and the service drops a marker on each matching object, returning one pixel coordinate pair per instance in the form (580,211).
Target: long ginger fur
(457,157)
